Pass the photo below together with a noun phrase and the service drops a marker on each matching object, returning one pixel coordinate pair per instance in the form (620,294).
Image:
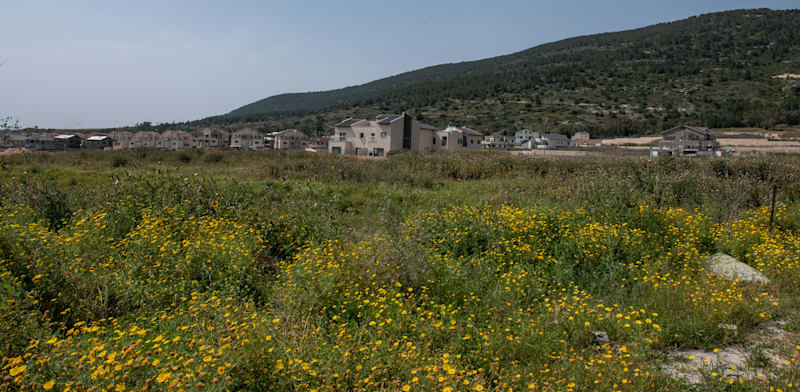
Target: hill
(716,70)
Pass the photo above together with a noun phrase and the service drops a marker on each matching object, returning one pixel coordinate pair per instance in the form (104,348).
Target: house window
(434,141)
(444,140)
(378,152)
(361,135)
(383,135)
(336,150)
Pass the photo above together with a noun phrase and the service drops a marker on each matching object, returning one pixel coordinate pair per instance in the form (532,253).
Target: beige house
(458,139)
(122,140)
(289,139)
(211,138)
(174,141)
(388,132)
(145,139)
(247,139)
(580,139)
(319,143)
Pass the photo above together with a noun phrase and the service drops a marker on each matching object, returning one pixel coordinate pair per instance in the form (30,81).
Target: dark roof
(427,126)
(387,118)
(18,137)
(555,136)
(348,122)
(469,131)
(700,130)
(463,130)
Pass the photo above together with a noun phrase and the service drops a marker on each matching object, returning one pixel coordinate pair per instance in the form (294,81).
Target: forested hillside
(716,70)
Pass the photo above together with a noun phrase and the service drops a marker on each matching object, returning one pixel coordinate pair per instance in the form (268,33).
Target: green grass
(294,271)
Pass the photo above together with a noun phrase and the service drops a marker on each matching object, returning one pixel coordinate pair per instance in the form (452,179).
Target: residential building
(685,140)
(145,139)
(498,141)
(18,140)
(98,142)
(247,139)
(174,141)
(580,139)
(522,136)
(388,132)
(552,140)
(319,143)
(67,142)
(289,139)
(211,138)
(269,141)
(458,139)
(122,140)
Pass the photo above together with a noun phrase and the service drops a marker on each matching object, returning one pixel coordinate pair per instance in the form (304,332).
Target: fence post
(772,212)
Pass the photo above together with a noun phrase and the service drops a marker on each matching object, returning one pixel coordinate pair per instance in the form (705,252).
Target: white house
(522,136)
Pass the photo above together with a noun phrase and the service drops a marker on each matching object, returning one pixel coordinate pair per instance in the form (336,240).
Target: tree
(9,124)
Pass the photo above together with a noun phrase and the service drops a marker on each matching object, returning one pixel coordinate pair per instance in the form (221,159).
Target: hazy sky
(88,64)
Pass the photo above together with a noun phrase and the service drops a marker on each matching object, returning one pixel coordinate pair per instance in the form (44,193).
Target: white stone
(726,266)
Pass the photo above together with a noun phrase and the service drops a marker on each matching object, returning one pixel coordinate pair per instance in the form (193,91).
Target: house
(18,140)
(289,139)
(247,139)
(42,141)
(522,136)
(580,139)
(174,141)
(98,142)
(67,142)
(319,143)
(145,139)
(211,138)
(685,140)
(552,140)
(458,139)
(530,144)
(122,140)
(498,141)
(388,132)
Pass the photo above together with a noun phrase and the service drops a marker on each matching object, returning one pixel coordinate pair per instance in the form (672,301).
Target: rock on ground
(727,266)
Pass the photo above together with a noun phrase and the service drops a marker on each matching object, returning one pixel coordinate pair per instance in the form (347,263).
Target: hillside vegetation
(715,70)
(147,270)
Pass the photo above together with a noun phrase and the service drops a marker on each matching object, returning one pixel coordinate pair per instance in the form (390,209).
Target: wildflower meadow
(133,271)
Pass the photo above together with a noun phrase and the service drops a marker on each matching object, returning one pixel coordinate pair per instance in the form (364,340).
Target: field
(147,270)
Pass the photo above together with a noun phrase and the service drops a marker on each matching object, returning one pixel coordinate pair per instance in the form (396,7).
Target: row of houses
(361,137)
(55,142)
(390,132)
(243,139)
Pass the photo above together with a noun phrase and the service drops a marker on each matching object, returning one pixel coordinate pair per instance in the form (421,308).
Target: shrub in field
(213,157)
(119,161)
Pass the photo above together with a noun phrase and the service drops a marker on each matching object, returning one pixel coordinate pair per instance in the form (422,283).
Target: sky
(109,63)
